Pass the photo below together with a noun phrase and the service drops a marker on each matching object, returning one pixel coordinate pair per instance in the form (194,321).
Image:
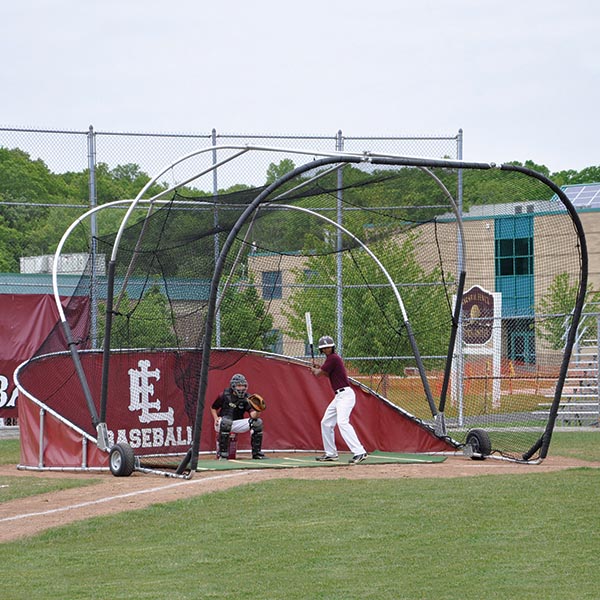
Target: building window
(514,266)
(514,256)
(271,285)
(276,338)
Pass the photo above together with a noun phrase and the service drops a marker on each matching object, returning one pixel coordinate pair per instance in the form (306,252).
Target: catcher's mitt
(257,402)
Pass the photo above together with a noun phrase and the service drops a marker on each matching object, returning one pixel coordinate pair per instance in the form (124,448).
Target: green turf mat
(275,461)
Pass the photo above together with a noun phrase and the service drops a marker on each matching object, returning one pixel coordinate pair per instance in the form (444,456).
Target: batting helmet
(326,342)
(238,380)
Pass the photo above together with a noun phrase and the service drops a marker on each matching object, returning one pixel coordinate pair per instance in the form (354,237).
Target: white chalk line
(398,460)
(120,496)
(372,459)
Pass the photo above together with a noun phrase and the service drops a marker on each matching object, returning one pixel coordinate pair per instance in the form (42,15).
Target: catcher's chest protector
(233,406)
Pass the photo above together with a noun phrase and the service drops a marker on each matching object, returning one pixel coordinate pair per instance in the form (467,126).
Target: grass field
(494,537)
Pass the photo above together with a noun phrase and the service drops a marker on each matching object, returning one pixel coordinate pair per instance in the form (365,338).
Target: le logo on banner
(140,392)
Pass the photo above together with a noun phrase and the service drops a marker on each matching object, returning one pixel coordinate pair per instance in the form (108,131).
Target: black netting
(400,224)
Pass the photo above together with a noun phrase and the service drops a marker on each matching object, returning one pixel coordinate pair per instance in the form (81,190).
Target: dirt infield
(27,516)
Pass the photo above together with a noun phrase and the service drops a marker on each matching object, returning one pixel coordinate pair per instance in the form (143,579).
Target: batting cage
(453,291)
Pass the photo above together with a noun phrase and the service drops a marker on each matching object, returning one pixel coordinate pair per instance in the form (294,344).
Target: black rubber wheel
(480,443)
(121,460)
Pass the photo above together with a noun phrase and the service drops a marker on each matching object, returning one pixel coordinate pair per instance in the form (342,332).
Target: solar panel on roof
(583,195)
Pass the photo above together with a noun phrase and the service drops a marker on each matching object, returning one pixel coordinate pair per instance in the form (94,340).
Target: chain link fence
(91,153)
(64,151)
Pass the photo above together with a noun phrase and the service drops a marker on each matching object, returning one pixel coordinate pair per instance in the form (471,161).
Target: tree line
(33,199)
(36,206)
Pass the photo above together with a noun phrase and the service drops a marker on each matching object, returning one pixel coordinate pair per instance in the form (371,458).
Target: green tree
(245,322)
(371,310)
(29,186)
(555,308)
(570,177)
(275,171)
(144,324)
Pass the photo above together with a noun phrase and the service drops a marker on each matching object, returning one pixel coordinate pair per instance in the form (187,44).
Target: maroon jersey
(334,367)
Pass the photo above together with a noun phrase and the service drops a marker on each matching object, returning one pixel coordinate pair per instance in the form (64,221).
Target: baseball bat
(310,335)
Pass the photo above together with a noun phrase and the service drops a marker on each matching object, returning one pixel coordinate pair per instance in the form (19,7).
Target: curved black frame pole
(214,286)
(192,460)
(437,414)
(440,425)
(544,442)
(451,343)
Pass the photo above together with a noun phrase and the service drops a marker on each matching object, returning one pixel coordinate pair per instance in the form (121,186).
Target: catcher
(228,412)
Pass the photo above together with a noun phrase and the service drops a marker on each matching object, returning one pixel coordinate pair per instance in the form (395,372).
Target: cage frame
(333,159)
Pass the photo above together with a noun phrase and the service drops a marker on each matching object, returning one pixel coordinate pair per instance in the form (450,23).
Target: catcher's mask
(239,385)
(326,342)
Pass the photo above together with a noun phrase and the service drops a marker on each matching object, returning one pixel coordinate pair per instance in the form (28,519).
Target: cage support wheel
(478,444)
(121,460)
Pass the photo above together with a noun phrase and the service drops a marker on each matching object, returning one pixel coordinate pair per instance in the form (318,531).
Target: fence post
(216,224)
(93,200)
(460,357)
(339,146)
(598,364)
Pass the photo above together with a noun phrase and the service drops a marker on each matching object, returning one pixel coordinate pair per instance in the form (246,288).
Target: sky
(520,78)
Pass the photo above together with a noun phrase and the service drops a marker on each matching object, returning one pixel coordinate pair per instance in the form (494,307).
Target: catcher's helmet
(326,342)
(238,380)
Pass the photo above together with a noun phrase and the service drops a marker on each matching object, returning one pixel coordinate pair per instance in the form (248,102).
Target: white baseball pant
(338,412)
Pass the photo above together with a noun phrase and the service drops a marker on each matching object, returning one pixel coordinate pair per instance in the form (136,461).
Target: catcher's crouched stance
(228,412)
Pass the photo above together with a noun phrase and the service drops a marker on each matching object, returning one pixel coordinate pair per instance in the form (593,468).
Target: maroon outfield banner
(25,322)
(152,398)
